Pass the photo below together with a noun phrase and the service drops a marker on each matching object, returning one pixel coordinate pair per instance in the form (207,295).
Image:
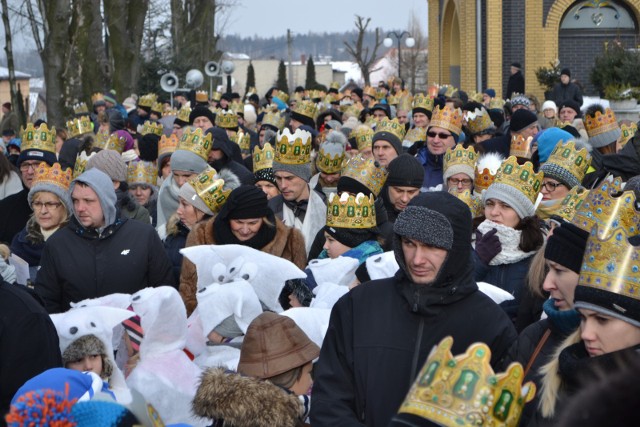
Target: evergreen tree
(281,83)
(251,78)
(310,82)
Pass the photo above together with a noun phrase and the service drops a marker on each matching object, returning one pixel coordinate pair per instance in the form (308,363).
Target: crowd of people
(361,256)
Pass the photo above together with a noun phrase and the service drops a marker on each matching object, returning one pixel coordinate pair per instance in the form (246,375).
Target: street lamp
(409,42)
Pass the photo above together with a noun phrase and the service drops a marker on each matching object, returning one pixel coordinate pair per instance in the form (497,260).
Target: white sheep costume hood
(97,321)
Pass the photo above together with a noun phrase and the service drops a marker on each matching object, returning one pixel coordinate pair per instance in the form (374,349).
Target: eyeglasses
(463,181)
(26,166)
(439,135)
(551,186)
(49,205)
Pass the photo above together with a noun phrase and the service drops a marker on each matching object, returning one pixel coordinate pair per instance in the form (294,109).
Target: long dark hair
(532,237)
(5,168)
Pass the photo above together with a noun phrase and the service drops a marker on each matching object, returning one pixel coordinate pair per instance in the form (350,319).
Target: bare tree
(360,53)
(414,60)
(8,48)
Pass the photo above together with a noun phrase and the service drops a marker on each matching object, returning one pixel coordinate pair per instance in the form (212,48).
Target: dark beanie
(568,103)
(350,237)
(382,107)
(358,91)
(521,119)
(246,201)
(353,186)
(405,171)
(566,246)
(572,130)
(148,146)
(390,138)
(566,72)
(199,111)
(265,174)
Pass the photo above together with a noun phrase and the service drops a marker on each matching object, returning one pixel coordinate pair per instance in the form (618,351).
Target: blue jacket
(432,165)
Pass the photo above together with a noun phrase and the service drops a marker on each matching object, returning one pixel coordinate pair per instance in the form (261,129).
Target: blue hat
(548,139)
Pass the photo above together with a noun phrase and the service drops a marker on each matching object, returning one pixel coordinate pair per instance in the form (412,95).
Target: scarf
(299,208)
(361,252)
(546,208)
(315,217)
(264,236)
(509,239)
(565,321)
(167,200)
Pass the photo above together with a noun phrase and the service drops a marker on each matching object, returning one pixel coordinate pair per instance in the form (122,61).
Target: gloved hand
(487,245)
(7,272)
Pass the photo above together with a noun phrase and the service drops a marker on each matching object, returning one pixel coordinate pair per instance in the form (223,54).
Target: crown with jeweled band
(422,101)
(79,125)
(101,138)
(42,138)
(568,157)
(273,118)
(263,157)
(363,136)
(306,108)
(486,170)
(193,140)
(114,142)
(368,172)
(521,146)
(167,144)
(628,132)
(330,157)
(80,108)
(45,174)
(571,203)
(293,149)
(282,96)
(227,119)
(496,104)
(608,207)
(464,391)
(157,107)
(142,173)
(183,113)
(473,201)
(459,155)
(601,123)
(521,177)
(369,90)
(447,118)
(349,211)
(171,112)
(392,126)
(210,188)
(202,96)
(242,139)
(81,163)
(478,121)
(97,97)
(416,134)
(148,100)
(153,128)
(483,179)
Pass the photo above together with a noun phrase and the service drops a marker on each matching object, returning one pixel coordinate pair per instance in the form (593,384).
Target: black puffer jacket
(624,164)
(381,332)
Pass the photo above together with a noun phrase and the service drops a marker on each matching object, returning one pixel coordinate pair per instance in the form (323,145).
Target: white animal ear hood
(112,300)
(341,270)
(382,266)
(216,302)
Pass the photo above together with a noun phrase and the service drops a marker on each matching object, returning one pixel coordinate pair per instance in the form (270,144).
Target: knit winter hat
(265,175)
(405,171)
(148,146)
(188,193)
(424,225)
(274,345)
(244,202)
(570,104)
(350,237)
(521,100)
(290,158)
(566,72)
(58,188)
(522,119)
(490,92)
(109,162)
(519,188)
(548,139)
(200,111)
(549,105)
(102,185)
(603,129)
(187,161)
(566,246)
(567,164)
(88,345)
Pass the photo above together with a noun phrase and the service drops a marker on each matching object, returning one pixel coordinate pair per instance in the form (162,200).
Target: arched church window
(597,14)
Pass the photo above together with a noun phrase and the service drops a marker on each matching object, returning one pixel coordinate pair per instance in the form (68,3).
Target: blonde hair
(537,272)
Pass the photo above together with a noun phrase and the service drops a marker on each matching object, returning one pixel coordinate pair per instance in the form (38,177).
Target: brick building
(531,32)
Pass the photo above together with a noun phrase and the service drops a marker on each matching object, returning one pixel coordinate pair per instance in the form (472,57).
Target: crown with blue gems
(210,188)
(464,391)
(195,141)
(421,100)
(153,128)
(45,174)
(226,119)
(293,148)
(142,173)
(368,172)
(42,138)
(113,142)
(447,118)
(608,207)
(97,97)
(349,211)
(263,157)
(521,177)
(79,125)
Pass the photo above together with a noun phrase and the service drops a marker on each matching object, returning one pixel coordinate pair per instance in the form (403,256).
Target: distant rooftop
(4,74)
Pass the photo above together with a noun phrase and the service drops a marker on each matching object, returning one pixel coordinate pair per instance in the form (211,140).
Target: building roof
(4,74)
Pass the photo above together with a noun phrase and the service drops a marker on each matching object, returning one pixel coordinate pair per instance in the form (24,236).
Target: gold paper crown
(148,100)
(422,101)
(184,113)
(611,264)
(484,178)
(567,157)
(572,201)
(521,146)
(157,107)
(170,112)
(520,177)
(447,118)
(216,96)
(79,125)
(450,91)
(349,211)
(39,139)
(80,108)
(226,119)
(367,172)
(371,91)
(202,96)
(496,104)
(416,134)
(352,110)
(273,118)
(363,136)
(459,155)
(282,96)
(237,107)
(193,140)
(601,123)
(97,97)
(334,85)
(142,173)
(393,100)
(609,208)
(243,140)
(153,128)
(101,138)
(167,144)
(628,132)
(45,174)
(114,143)
(476,96)
(210,188)
(473,201)
(464,391)
(486,171)
(330,157)
(392,126)
(293,149)
(263,157)
(306,108)
(315,94)
(478,121)
(405,102)
(81,163)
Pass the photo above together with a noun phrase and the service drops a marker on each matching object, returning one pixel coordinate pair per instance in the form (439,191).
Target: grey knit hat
(186,161)
(562,175)
(109,162)
(188,193)
(511,196)
(88,345)
(59,191)
(424,225)
(302,171)
(458,168)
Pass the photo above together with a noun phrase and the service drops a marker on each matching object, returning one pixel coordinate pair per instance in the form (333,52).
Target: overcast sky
(271,18)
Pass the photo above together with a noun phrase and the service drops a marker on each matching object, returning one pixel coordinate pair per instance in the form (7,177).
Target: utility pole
(290,54)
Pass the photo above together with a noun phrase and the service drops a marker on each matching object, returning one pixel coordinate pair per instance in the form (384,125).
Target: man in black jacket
(566,90)
(99,253)
(381,333)
(516,80)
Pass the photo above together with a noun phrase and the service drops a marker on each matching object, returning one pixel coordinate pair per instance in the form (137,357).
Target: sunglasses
(439,135)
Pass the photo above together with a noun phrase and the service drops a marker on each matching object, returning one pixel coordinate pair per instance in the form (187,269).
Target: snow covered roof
(4,74)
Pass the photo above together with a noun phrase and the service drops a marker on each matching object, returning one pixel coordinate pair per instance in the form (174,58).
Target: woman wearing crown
(49,199)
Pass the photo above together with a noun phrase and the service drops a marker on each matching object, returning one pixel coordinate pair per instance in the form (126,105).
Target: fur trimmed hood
(245,401)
